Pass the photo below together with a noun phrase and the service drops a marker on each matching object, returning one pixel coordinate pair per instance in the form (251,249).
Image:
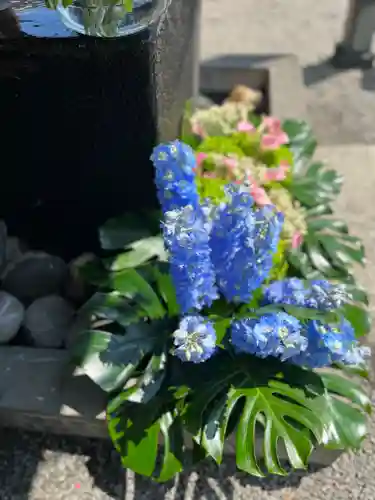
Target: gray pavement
(342,110)
(341,104)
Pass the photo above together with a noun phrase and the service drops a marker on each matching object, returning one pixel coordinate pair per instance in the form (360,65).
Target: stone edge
(281,73)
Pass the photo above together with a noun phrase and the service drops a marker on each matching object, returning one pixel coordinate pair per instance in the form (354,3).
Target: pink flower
(230,163)
(278,173)
(273,125)
(274,136)
(297,239)
(197,129)
(271,141)
(245,126)
(259,194)
(200,157)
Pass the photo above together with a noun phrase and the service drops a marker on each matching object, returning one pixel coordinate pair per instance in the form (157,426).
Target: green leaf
(355,291)
(322,209)
(342,408)
(300,265)
(314,169)
(221,327)
(108,359)
(256,394)
(128,5)
(143,388)
(113,307)
(301,143)
(317,258)
(133,286)
(137,434)
(306,313)
(359,318)
(328,224)
(341,254)
(138,254)
(120,232)
(167,291)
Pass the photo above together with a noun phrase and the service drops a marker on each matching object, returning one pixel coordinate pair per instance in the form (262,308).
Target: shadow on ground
(211,483)
(40,467)
(45,467)
(323,70)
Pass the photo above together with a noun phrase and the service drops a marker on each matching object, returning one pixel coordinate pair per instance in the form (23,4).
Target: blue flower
(175,165)
(277,335)
(187,241)
(243,240)
(195,339)
(315,294)
(328,344)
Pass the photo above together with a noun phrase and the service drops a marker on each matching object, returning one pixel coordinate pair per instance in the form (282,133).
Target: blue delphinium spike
(175,175)
(195,339)
(243,240)
(316,294)
(187,241)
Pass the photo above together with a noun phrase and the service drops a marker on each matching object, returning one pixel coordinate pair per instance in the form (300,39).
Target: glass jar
(109,18)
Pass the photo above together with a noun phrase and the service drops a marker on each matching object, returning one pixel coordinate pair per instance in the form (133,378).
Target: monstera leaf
(110,359)
(263,400)
(302,143)
(343,410)
(316,186)
(256,396)
(136,435)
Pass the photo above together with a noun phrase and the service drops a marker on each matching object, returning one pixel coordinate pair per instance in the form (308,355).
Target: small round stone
(15,248)
(49,320)
(11,316)
(34,275)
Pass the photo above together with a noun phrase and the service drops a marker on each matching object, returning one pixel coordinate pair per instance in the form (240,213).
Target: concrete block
(280,75)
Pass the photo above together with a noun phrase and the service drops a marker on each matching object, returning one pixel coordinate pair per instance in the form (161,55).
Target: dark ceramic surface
(80,118)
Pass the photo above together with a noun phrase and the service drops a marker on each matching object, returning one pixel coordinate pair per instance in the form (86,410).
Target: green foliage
(302,143)
(220,145)
(280,265)
(160,409)
(212,188)
(328,250)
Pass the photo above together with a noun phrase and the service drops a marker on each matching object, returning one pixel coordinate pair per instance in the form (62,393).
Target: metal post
(354,51)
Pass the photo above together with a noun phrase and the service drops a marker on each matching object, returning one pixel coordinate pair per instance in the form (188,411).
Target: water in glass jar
(106,19)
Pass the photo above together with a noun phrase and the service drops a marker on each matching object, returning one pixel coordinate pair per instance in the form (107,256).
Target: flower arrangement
(195,345)
(275,161)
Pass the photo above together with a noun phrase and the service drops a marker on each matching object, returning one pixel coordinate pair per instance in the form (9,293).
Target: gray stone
(3,243)
(34,275)
(48,320)
(76,288)
(15,248)
(11,316)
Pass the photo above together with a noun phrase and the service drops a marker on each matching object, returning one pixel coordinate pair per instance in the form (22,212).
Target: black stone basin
(80,117)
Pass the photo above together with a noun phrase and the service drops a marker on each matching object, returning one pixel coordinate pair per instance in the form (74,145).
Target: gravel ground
(36,467)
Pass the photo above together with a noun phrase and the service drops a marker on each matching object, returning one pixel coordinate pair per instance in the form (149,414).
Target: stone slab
(280,74)
(39,392)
